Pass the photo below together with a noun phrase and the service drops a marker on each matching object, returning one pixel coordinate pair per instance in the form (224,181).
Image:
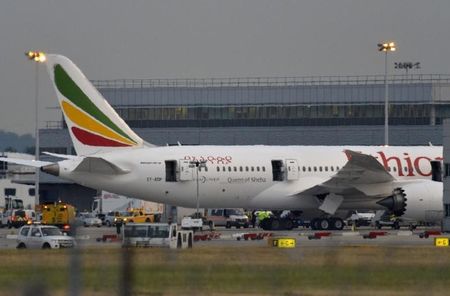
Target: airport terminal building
(337,110)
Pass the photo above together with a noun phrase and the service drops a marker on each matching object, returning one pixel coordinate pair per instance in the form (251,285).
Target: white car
(89,219)
(43,237)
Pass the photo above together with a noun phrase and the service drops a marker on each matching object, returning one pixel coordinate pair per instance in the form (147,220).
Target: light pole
(38,57)
(386,47)
(197,164)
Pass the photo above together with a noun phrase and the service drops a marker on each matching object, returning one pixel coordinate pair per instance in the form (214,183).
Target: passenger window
(309,169)
(229,169)
(263,169)
(257,168)
(320,168)
(223,169)
(326,169)
(253,169)
(24,231)
(315,169)
(240,169)
(218,169)
(35,232)
(246,169)
(235,169)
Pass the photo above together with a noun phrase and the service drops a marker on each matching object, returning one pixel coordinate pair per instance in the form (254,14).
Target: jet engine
(420,201)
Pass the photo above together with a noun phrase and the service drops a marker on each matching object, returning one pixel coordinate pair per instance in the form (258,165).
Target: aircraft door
(186,170)
(292,169)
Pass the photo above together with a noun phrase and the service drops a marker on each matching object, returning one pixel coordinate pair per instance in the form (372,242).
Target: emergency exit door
(292,169)
(186,170)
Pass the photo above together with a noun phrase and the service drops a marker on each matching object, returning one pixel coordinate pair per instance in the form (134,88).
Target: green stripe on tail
(71,91)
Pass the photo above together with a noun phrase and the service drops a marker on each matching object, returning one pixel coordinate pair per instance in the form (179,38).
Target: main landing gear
(277,223)
(330,223)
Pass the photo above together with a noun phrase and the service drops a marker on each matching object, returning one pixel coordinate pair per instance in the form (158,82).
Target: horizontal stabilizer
(27,162)
(100,166)
(64,156)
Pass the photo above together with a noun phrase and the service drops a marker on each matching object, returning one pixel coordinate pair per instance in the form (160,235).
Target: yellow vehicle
(59,214)
(136,216)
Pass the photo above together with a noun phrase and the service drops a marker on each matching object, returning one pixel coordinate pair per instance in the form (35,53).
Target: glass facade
(267,115)
(294,101)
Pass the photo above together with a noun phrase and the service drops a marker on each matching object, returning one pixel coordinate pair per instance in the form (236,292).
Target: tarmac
(102,237)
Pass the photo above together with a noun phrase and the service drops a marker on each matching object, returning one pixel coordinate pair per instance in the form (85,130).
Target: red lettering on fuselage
(408,166)
(417,166)
(385,162)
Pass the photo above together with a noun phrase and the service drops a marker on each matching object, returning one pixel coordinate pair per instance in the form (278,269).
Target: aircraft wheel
(288,224)
(315,224)
(324,224)
(338,224)
(275,224)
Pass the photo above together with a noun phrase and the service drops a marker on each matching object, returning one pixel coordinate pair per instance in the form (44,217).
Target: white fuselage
(242,176)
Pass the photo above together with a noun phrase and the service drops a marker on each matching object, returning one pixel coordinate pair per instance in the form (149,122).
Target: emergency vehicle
(59,214)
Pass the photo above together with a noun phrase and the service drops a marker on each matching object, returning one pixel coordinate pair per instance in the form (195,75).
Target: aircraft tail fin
(94,125)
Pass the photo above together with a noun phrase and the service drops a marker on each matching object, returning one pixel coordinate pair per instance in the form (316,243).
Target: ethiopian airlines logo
(92,126)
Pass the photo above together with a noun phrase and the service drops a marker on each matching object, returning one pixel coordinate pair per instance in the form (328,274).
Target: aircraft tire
(337,223)
(315,224)
(288,224)
(324,224)
(275,224)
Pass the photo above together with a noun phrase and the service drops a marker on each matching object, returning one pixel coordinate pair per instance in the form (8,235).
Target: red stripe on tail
(91,139)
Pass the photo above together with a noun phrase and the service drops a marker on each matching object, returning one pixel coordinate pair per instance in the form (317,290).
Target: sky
(116,39)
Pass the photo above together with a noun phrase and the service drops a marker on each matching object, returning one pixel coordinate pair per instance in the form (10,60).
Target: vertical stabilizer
(94,125)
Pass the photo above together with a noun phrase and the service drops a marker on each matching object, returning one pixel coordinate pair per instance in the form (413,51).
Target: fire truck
(59,214)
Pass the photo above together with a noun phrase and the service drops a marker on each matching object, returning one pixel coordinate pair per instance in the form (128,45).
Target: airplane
(319,181)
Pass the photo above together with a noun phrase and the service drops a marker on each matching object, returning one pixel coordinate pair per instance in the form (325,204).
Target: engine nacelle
(421,201)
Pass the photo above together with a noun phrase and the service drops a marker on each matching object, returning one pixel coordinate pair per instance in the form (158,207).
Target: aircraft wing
(361,175)
(64,156)
(27,162)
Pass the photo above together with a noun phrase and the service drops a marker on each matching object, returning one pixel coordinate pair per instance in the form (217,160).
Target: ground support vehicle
(43,237)
(108,202)
(228,218)
(136,216)
(360,219)
(20,218)
(156,235)
(89,219)
(194,224)
(110,217)
(8,205)
(59,214)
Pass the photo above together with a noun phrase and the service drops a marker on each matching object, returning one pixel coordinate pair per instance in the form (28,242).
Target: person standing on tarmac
(253,218)
(118,226)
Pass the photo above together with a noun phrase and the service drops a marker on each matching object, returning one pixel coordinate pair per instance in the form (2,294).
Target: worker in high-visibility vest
(263,215)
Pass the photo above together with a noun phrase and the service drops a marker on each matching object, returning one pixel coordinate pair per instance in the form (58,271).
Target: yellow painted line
(441,241)
(86,122)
